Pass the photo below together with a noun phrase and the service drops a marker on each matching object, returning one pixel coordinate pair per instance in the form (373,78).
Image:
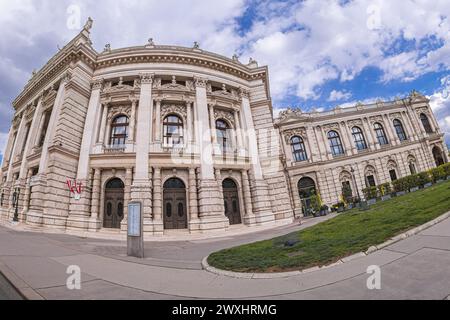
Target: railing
(114,149)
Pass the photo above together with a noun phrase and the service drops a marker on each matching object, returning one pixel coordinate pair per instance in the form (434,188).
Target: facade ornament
(196,45)
(107,48)
(252,63)
(244,93)
(331,126)
(167,109)
(289,134)
(118,110)
(146,78)
(376,119)
(67,76)
(97,84)
(88,25)
(137,84)
(395,115)
(235,58)
(200,82)
(290,113)
(157,83)
(227,115)
(150,43)
(190,85)
(356,122)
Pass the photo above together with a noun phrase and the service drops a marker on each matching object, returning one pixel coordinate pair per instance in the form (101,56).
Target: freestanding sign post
(135,239)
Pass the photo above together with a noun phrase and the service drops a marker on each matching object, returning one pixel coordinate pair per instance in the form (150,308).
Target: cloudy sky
(321,54)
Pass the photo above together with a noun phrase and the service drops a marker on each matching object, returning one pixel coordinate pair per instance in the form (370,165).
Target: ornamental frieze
(356,122)
(290,113)
(331,126)
(396,115)
(423,110)
(173,109)
(222,114)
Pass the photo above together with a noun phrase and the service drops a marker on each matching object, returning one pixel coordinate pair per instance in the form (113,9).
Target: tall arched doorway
(114,203)
(175,213)
(231,201)
(306,190)
(438,156)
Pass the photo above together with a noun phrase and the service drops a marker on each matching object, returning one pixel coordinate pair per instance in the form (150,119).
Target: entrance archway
(306,190)
(438,156)
(231,201)
(174,205)
(114,203)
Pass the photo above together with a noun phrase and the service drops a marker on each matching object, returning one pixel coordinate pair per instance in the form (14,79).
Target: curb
(356,256)
(23,289)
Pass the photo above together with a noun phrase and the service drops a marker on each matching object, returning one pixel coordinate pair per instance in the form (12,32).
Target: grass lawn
(347,234)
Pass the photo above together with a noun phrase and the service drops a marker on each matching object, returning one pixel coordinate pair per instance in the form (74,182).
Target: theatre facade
(191,136)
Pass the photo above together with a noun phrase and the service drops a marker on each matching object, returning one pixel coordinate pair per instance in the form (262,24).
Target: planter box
(340,209)
(440,181)
(414,189)
(428,185)
(386,197)
(351,206)
(448,178)
(371,201)
(364,206)
(401,193)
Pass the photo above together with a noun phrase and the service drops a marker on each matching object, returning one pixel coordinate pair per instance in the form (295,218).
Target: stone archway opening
(174,205)
(231,201)
(307,190)
(114,204)
(438,156)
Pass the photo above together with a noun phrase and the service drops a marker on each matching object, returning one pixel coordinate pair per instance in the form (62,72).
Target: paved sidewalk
(415,268)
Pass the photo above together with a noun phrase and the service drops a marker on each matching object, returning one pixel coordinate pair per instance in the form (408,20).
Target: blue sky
(320,54)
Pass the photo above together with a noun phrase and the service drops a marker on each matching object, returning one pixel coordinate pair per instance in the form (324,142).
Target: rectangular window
(370,181)
(393,175)
(46,120)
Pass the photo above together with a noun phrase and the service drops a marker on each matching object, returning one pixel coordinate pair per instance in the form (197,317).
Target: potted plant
(341,206)
(324,210)
(370,194)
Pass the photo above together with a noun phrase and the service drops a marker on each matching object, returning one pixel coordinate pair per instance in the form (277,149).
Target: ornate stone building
(173,128)
(363,146)
(191,136)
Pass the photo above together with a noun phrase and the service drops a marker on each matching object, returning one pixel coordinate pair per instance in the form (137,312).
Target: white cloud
(440,104)
(337,95)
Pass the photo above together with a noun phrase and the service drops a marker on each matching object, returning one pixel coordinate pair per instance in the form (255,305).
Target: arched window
(381,136)
(115,184)
(426,123)
(358,136)
(335,143)
(173,131)
(119,131)
(223,138)
(399,130)
(298,149)
(412,168)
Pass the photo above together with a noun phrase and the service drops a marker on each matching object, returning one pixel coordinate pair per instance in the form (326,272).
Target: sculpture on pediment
(196,45)
(173,85)
(289,113)
(119,87)
(88,24)
(107,48)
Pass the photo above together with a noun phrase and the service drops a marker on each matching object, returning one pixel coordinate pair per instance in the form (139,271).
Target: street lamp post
(356,186)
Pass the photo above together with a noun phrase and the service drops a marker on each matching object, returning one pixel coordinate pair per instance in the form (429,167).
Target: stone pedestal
(141,191)
(212,217)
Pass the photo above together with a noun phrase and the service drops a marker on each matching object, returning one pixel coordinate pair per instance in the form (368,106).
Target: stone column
(262,207)
(412,136)
(189,127)
(127,198)
(320,144)
(345,139)
(211,209)
(193,202)
(26,196)
(95,223)
(15,147)
(212,125)
(132,121)
(7,151)
(238,130)
(393,139)
(249,218)
(101,136)
(158,122)
(157,202)
(326,144)
(59,101)
(369,134)
(141,189)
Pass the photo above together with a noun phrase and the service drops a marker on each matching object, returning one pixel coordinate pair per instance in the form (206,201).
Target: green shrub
(438,173)
(347,193)
(400,185)
(384,189)
(423,178)
(446,168)
(370,192)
